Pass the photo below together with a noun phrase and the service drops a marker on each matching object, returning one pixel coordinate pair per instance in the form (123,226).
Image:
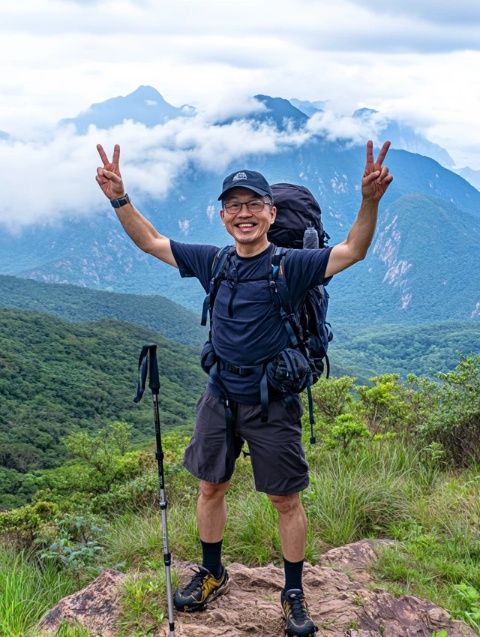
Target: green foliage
(99,449)
(58,378)
(27,592)
(453,418)
(331,396)
(67,629)
(73,544)
(144,603)
(423,348)
(77,304)
(386,404)
(359,493)
(22,525)
(345,430)
(438,555)
(470,598)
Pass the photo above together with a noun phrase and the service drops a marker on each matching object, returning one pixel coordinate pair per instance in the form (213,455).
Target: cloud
(335,127)
(45,181)
(409,59)
(462,12)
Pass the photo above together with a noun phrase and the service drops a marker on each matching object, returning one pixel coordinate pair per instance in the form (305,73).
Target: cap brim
(258,191)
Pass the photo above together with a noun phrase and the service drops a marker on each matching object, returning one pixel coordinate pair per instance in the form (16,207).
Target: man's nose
(242,204)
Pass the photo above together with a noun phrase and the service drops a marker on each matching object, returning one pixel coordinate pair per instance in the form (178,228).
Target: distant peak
(364,113)
(146,93)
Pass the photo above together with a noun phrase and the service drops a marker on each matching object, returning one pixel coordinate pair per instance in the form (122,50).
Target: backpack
(297,225)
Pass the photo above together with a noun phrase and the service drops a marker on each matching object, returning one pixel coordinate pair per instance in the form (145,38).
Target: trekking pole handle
(154,379)
(148,366)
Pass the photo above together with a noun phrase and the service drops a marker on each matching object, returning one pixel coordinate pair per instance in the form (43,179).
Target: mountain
(77,304)
(280,112)
(95,253)
(405,137)
(60,377)
(4,136)
(273,111)
(309,108)
(425,350)
(356,351)
(144,105)
(473,176)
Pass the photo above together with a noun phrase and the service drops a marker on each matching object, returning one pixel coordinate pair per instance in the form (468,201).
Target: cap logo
(239,176)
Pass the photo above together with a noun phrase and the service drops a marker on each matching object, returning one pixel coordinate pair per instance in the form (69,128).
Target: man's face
(249,223)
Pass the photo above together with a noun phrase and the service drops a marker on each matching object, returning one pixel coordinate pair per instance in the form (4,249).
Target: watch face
(121,201)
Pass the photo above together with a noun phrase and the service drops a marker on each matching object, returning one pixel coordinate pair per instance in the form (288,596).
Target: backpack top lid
(297,210)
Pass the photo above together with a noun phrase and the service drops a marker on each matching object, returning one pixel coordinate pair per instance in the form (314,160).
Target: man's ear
(273,211)
(222,215)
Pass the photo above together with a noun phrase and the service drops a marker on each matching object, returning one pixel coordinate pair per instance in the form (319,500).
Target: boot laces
(299,609)
(196,583)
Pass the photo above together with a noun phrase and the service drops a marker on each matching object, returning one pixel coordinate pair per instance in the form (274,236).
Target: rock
(355,559)
(340,599)
(95,607)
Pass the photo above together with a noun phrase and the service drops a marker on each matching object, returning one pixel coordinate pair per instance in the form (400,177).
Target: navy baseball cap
(247,179)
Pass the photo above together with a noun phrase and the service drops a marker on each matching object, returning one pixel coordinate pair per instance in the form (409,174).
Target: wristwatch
(121,201)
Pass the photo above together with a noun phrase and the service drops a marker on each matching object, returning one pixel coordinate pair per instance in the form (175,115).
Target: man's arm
(138,228)
(375,182)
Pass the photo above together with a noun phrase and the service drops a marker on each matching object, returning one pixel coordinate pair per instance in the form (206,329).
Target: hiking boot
(201,589)
(298,622)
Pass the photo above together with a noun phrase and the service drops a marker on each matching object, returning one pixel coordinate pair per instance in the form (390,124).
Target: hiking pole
(148,366)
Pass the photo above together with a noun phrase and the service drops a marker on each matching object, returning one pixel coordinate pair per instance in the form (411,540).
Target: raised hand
(376,178)
(108,177)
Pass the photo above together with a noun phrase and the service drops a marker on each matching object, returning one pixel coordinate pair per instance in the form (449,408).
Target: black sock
(293,574)
(212,560)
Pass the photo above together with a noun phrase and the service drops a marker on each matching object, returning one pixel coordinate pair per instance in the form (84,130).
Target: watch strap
(121,201)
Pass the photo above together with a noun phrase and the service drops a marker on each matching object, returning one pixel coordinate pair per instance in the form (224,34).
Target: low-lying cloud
(45,181)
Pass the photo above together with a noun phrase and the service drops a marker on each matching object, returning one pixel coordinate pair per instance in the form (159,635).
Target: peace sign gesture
(376,178)
(109,178)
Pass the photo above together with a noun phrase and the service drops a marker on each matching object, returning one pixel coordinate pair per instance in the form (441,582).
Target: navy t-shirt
(246,326)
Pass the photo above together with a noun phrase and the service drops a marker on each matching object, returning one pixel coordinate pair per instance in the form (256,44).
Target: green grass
(378,489)
(360,493)
(438,557)
(144,603)
(27,591)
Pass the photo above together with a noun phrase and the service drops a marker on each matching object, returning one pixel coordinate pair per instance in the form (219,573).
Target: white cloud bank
(42,182)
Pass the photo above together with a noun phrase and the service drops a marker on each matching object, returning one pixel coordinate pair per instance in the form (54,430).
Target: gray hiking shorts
(278,460)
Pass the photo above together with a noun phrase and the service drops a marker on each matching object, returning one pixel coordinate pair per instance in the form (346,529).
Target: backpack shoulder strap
(281,296)
(219,265)
(278,276)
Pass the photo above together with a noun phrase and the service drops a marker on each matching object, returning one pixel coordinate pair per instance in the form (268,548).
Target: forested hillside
(424,349)
(75,303)
(58,377)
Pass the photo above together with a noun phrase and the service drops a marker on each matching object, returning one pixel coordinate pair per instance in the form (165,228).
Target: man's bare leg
(292,525)
(211,510)
(293,536)
(206,585)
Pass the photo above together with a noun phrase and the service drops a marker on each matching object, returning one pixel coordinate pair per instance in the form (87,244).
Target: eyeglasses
(255,206)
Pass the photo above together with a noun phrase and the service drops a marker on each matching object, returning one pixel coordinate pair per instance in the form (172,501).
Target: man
(247,332)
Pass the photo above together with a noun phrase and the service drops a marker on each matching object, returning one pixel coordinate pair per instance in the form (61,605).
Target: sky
(414,60)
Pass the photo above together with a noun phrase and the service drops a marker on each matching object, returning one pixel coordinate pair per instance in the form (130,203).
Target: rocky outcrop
(341,600)
(96,607)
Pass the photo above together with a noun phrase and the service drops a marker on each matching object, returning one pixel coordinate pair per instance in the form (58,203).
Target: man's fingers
(116,155)
(109,175)
(371,177)
(103,154)
(383,152)
(369,152)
